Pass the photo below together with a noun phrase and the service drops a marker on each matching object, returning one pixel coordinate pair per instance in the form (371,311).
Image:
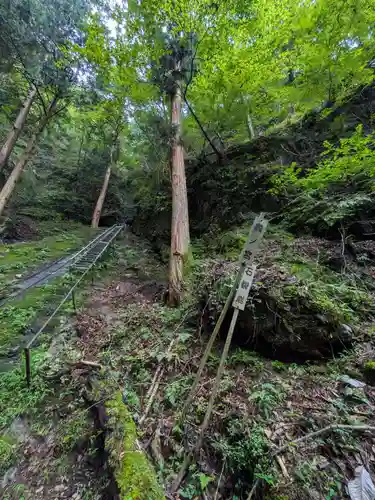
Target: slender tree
(18,126)
(8,187)
(31,41)
(100,202)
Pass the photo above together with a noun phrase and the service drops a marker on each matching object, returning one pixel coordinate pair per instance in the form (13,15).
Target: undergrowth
(17,260)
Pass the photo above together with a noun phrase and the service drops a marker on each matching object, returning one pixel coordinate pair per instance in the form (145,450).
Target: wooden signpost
(237,298)
(244,282)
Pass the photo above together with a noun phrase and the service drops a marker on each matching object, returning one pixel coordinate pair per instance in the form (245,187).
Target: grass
(254,392)
(19,259)
(19,315)
(46,397)
(16,399)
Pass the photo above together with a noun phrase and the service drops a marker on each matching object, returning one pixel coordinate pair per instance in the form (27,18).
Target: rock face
(297,309)
(288,332)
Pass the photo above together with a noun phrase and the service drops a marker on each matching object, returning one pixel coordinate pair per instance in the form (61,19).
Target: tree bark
(249,122)
(8,187)
(180,237)
(99,203)
(18,125)
(250,127)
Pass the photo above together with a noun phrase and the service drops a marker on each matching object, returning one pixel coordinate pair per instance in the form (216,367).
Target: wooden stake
(28,367)
(215,389)
(246,258)
(74,302)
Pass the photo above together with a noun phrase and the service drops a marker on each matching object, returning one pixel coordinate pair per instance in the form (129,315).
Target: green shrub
(245,450)
(266,397)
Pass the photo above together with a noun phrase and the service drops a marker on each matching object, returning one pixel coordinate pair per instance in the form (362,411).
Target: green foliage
(266,397)
(73,431)
(278,366)
(247,358)
(196,485)
(15,397)
(245,451)
(369,371)
(176,390)
(7,454)
(369,366)
(343,299)
(351,161)
(340,187)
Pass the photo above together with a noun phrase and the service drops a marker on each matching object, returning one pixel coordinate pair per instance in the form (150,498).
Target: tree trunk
(249,122)
(18,125)
(99,203)
(250,127)
(8,187)
(180,238)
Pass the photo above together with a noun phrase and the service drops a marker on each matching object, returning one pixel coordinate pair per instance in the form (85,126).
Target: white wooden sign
(256,234)
(250,250)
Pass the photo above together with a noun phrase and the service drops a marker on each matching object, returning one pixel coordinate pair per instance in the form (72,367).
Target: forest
(155,159)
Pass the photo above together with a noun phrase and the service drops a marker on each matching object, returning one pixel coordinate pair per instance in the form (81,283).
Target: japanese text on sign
(248,270)
(244,288)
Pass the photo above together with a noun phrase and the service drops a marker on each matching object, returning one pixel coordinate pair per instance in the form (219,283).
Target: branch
(27,75)
(59,110)
(152,391)
(219,155)
(310,435)
(41,100)
(331,427)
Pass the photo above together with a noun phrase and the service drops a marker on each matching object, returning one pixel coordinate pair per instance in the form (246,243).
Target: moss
(134,475)
(369,366)
(18,316)
(7,453)
(369,371)
(22,258)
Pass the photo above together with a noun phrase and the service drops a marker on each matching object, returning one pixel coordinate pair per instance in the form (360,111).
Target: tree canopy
(246,70)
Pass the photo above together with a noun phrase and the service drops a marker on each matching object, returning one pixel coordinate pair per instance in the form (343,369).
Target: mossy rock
(135,477)
(288,314)
(369,371)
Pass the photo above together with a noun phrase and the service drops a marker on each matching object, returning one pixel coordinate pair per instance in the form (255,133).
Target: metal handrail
(112,232)
(75,257)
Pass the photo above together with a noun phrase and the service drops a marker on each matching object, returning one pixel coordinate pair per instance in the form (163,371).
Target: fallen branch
(219,481)
(92,364)
(331,427)
(153,389)
(281,463)
(214,393)
(187,461)
(151,395)
(322,431)
(156,448)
